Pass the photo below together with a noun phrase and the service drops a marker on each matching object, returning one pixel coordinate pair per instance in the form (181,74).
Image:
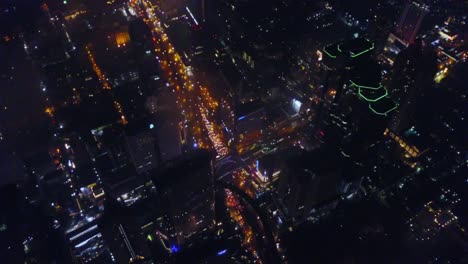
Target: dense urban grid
(233,131)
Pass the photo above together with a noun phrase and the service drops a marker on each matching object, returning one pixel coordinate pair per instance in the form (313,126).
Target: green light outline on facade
(362,52)
(338,48)
(384,114)
(366,87)
(372,100)
(328,53)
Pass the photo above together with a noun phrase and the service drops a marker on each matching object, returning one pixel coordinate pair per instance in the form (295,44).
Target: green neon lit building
(331,51)
(353,48)
(365,87)
(372,95)
(348,64)
(383,107)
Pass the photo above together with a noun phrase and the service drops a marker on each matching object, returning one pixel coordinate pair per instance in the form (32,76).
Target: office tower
(339,59)
(412,76)
(360,109)
(123,233)
(141,141)
(410,21)
(405,32)
(123,157)
(359,99)
(309,184)
(428,134)
(109,155)
(185,189)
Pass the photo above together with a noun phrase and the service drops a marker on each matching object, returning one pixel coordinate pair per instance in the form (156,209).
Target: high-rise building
(360,110)
(109,155)
(338,61)
(360,100)
(141,142)
(308,183)
(405,31)
(410,21)
(413,75)
(185,188)
(123,232)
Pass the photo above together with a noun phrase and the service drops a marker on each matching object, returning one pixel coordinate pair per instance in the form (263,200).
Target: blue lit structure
(222,252)
(174,249)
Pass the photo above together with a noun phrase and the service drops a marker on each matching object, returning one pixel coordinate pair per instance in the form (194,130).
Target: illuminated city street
(194,102)
(236,212)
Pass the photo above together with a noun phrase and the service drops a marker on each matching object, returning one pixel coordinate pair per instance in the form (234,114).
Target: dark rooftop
(248,108)
(176,169)
(383,106)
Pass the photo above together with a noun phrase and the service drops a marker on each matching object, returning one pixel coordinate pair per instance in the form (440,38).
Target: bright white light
(132,11)
(191,15)
(296,104)
(319,55)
